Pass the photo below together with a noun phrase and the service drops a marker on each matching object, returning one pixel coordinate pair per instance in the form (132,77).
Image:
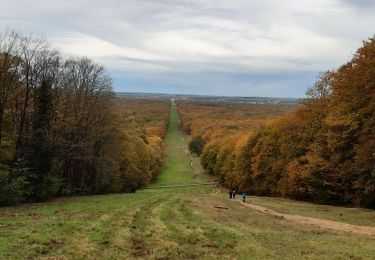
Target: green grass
(164,225)
(177,169)
(178,223)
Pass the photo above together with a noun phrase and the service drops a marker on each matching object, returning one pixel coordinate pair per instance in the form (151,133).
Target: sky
(267,48)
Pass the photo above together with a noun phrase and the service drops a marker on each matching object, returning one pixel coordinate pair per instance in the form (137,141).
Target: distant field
(253,100)
(177,223)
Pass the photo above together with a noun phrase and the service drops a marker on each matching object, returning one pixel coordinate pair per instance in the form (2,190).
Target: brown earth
(322,223)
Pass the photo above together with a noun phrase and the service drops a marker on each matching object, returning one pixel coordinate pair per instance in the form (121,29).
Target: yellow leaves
(155,140)
(143,125)
(241,141)
(347,121)
(324,151)
(214,120)
(297,178)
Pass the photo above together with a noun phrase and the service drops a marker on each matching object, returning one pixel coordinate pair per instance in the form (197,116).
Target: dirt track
(322,223)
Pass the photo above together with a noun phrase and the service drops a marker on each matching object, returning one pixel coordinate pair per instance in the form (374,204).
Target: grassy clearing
(166,225)
(178,166)
(177,169)
(181,223)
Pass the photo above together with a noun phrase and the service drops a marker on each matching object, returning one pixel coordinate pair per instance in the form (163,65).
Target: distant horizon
(270,48)
(200,95)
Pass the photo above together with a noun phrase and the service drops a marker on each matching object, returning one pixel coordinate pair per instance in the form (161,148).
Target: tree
(42,152)
(323,151)
(9,68)
(196,145)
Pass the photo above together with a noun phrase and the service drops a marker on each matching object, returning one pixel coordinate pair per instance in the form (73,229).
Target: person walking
(234,194)
(244,194)
(230,194)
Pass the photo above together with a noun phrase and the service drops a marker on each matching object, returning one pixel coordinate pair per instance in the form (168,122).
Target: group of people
(232,195)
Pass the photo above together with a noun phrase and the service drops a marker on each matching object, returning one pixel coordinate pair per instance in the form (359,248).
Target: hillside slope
(172,223)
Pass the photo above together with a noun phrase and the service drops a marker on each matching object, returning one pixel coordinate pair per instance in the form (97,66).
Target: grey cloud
(360,3)
(212,46)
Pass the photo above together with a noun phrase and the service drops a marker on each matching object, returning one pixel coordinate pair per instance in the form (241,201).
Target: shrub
(12,188)
(196,145)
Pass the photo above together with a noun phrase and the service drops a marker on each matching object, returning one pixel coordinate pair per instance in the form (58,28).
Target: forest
(323,151)
(62,129)
(211,119)
(143,123)
(212,122)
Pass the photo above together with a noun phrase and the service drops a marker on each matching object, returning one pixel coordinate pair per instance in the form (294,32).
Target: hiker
(244,194)
(230,194)
(234,194)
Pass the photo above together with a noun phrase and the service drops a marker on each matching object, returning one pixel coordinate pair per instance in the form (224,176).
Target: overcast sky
(218,47)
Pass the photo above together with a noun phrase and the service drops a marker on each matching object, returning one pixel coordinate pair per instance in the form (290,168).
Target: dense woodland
(322,152)
(63,131)
(143,123)
(211,119)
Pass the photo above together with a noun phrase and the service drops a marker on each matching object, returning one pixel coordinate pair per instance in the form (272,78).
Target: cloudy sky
(218,47)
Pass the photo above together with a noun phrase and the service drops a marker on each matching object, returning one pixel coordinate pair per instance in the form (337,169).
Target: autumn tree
(323,151)
(196,145)
(60,129)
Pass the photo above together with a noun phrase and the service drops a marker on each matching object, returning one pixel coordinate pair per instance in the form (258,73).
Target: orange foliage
(213,120)
(324,151)
(143,123)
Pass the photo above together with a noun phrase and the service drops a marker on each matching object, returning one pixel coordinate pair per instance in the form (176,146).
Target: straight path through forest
(179,173)
(189,222)
(181,168)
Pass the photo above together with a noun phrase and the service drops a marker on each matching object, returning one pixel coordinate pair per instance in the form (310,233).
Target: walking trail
(179,173)
(322,223)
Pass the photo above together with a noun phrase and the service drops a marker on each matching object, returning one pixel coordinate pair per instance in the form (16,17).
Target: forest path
(318,222)
(181,168)
(191,222)
(180,176)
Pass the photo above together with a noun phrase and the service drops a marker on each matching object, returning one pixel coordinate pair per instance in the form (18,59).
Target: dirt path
(322,223)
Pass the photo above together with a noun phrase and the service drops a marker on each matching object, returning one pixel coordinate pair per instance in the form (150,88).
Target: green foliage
(42,184)
(12,188)
(36,186)
(7,150)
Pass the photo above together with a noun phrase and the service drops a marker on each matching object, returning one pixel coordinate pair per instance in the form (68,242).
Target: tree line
(60,132)
(144,123)
(323,152)
(213,119)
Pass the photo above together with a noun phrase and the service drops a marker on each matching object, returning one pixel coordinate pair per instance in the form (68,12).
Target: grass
(164,225)
(178,169)
(179,223)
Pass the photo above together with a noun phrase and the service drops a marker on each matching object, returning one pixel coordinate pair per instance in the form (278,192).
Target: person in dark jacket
(230,194)
(244,194)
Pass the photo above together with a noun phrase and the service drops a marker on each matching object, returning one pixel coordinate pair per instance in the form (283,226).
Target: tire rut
(140,229)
